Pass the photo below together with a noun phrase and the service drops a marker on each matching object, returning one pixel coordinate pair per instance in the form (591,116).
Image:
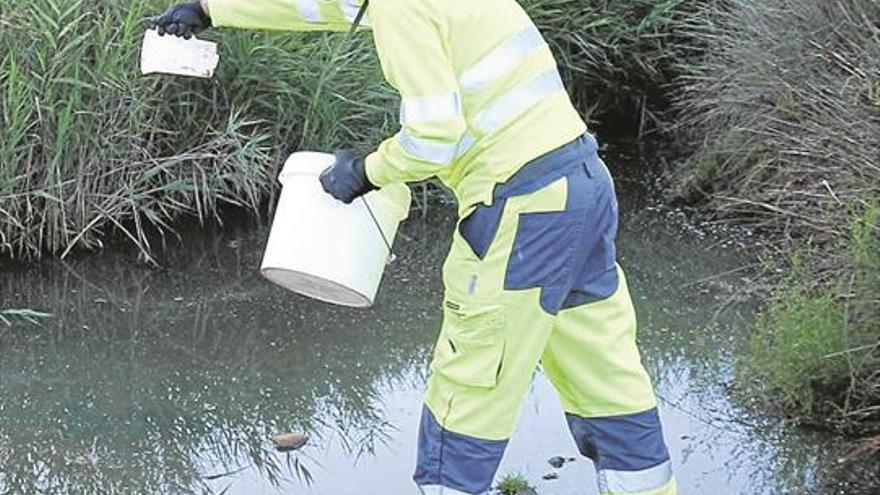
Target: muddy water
(169,381)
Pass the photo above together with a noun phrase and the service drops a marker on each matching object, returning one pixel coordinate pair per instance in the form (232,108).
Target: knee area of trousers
(473,412)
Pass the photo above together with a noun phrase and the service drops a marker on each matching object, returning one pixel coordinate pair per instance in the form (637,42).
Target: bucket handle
(391,256)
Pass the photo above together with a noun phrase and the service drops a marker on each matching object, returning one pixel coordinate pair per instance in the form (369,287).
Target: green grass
(93,147)
(515,484)
(817,346)
(621,58)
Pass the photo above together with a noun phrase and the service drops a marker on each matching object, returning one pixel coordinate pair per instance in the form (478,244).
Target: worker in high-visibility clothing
(532,275)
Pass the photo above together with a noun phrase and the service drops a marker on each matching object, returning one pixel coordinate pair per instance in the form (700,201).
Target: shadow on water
(171,380)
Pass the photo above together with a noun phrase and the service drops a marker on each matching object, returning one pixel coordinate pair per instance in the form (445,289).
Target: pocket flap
(470,351)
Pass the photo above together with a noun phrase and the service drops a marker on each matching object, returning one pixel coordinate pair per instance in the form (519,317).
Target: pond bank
(783,108)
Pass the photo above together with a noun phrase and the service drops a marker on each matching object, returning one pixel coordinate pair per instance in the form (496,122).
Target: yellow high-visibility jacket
(481,93)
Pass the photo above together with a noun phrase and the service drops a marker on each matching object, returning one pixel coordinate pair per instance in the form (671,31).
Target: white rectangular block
(172,55)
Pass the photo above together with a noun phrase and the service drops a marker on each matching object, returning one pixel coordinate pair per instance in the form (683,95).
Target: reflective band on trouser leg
(440,490)
(430,108)
(502,60)
(521,98)
(451,463)
(651,480)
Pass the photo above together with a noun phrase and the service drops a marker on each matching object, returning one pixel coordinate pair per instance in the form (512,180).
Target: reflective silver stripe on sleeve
(350,9)
(427,150)
(622,482)
(502,60)
(430,108)
(439,490)
(310,10)
(467,142)
(518,100)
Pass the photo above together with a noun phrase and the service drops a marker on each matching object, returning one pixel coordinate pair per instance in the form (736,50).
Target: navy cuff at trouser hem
(458,463)
(628,450)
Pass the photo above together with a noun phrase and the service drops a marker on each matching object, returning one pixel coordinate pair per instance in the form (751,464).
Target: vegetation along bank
(781,113)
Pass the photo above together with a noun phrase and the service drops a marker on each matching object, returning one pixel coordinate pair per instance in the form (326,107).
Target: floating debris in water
(286,442)
(551,476)
(556,461)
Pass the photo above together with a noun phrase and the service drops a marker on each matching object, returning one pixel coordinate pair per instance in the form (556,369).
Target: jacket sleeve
(416,62)
(287,15)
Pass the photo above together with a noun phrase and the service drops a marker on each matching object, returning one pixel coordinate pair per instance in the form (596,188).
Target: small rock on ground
(290,441)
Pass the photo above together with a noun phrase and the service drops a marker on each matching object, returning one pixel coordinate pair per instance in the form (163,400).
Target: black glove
(347,179)
(184,20)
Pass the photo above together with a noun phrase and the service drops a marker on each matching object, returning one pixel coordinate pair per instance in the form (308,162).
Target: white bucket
(324,249)
(173,55)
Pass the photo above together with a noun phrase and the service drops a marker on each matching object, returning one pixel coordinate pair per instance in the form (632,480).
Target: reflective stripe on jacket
(480,91)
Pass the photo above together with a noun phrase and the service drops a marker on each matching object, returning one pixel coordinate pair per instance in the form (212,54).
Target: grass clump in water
(782,111)
(515,484)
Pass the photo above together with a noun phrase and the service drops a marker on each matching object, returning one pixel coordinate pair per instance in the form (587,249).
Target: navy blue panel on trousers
(624,443)
(453,460)
(480,227)
(544,255)
(597,277)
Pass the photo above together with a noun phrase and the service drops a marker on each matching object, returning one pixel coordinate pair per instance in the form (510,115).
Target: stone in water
(290,441)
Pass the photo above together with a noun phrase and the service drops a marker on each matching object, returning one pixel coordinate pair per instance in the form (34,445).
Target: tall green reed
(91,147)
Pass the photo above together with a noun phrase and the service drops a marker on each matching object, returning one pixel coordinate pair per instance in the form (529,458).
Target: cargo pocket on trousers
(470,351)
